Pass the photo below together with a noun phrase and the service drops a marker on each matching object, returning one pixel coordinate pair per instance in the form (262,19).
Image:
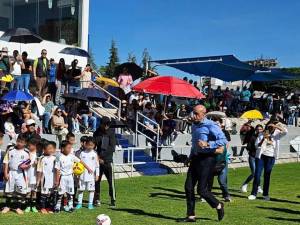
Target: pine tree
(113,60)
(91,60)
(131,58)
(146,58)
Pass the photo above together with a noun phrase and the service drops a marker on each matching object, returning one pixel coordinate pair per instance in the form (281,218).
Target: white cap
(30,122)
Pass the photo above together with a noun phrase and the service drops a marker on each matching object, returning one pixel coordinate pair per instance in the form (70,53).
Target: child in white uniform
(64,175)
(31,176)
(16,162)
(46,175)
(87,179)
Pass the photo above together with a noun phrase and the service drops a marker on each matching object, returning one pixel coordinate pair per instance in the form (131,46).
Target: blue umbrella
(93,94)
(14,96)
(75,51)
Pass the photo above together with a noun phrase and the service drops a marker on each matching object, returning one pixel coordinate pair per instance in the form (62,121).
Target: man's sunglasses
(44,53)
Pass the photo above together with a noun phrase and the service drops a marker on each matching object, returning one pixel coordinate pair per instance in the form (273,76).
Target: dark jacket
(41,71)
(251,146)
(106,143)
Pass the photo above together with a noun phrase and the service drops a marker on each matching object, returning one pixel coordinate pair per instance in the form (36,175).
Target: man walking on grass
(207,141)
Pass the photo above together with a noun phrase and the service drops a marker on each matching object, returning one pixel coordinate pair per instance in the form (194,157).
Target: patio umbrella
(21,35)
(135,70)
(15,96)
(75,96)
(93,94)
(75,52)
(167,85)
(252,114)
(107,81)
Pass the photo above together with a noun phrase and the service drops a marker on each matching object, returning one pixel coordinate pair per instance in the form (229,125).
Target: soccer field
(160,200)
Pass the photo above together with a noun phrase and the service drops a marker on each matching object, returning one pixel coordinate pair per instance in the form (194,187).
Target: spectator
(4,62)
(58,125)
(61,81)
(86,76)
(10,129)
(125,80)
(246,132)
(89,121)
(149,110)
(52,79)
(251,148)
(16,65)
(41,68)
(169,131)
(31,130)
(245,97)
(26,72)
(134,96)
(74,75)
(182,117)
(48,105)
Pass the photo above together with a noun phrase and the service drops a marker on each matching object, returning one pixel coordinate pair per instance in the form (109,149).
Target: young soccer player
(1,143)
(87,179)
(72,140)
(16,162)
(31,175)
(46,175)
(64,176)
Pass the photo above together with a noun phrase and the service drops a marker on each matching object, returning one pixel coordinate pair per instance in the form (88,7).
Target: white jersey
(46,167)
(15,157)
(31,172)
(65,164)
(90,158)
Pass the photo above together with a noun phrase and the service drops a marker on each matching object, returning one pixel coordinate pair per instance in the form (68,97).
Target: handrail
(137,131)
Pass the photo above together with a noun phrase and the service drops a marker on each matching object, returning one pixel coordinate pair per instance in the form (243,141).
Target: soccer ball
(103,219)
(78,168)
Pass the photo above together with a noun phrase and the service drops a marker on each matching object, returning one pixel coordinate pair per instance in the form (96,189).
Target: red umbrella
(167,85)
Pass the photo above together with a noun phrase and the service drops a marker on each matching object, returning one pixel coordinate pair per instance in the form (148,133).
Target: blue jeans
(89,120)
(16,84)
(291,119)
(25,82)
(46,119)
(222,179)
(265,163)
(73,89)
(252,168)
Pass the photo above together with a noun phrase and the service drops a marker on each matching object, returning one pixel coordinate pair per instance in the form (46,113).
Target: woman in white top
(86,76)
(16,65)
(267,145)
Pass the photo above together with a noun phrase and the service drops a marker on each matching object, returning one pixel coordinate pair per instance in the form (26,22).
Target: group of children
(37,175)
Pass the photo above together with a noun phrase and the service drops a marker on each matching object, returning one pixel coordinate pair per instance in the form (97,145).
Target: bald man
(207,141)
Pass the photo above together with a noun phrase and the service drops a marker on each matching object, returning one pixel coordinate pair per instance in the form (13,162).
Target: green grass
(160,200)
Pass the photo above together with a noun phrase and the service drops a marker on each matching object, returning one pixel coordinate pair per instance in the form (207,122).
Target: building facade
(60,23)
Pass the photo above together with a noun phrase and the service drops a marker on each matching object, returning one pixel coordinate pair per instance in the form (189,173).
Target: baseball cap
(30,122)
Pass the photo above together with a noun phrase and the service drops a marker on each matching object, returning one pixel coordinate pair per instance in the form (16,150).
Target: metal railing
(140,117)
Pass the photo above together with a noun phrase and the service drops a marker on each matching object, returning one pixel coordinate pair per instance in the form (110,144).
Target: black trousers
(107,170)
(200,171)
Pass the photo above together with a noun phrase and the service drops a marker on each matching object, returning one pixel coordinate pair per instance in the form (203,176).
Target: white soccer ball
(103,219)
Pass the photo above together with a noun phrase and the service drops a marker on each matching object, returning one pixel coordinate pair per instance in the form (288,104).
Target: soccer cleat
(266,198)
(97,203)
(79,206)
(202,200)
(44,211)
(188,220)
(90,206)
(251,197)
(56,211)
(227,199)
(19,211)
(221,212)
(71,209)
(259,190)
(34,210)
(27,210)
(112,204)
(244,188)
(5,210)
(66,208)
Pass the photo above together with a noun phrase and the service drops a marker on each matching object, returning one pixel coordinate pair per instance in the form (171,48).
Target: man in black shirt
(26,72)
(74,75)
(106,144)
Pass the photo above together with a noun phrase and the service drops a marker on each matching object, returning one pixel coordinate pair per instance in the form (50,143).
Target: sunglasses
(59,111)
(44,53)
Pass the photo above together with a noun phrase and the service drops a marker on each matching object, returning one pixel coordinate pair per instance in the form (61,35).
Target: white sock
(80,197)
(91,197)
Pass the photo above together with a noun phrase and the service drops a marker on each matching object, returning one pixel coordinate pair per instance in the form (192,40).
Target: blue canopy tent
(226,68)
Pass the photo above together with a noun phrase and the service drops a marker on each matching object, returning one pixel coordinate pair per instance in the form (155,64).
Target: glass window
(53,20)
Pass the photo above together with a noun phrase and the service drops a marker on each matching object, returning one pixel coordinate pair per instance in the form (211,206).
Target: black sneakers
(221,212)
(187,220)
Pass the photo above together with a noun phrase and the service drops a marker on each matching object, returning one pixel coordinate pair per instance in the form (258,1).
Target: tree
(131,58)
(91,60)
(145,59)
(113,60)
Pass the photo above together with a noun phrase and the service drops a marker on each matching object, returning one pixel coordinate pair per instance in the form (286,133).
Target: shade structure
(107,81)
(21,35)
(75,96)
(75,52)
(226,68)
(168,85)
(15,96)
(93,94)
(135,70)
(252,115)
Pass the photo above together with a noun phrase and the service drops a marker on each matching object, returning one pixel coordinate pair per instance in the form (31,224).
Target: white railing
(140,116)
